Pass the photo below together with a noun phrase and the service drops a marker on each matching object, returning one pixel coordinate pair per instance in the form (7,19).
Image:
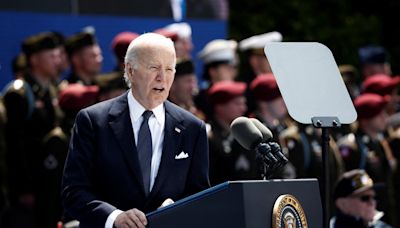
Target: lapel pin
(177,130)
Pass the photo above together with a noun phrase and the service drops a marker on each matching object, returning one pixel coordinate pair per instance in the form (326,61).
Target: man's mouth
(159,89)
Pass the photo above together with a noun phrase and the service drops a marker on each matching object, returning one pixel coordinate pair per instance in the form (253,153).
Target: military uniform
(228,159)
(303,145)
(32,114)
(360,150)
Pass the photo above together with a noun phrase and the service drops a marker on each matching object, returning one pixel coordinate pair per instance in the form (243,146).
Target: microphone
(266,133)
(267,136)
(251,138)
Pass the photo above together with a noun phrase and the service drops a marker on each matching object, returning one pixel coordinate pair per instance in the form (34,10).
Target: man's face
(223,72)
(232,109)
(46,63)
(260,64)
(91,59)
(183,47)
(184,88)
(361,205)
(152,79)
(278,108)
(378,123)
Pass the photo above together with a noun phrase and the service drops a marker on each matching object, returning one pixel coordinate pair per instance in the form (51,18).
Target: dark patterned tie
(145,150)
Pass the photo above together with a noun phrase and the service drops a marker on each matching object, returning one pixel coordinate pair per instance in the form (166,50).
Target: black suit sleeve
(78,197)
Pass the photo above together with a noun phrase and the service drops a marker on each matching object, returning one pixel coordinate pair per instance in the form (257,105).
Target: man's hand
(131,219)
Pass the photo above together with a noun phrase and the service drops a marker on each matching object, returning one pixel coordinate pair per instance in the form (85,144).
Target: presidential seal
(288,213)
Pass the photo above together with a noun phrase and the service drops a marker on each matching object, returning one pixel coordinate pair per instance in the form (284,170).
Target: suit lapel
(172,141)
(121,125)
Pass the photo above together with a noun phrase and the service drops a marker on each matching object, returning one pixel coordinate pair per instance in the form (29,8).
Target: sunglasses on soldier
(366,198)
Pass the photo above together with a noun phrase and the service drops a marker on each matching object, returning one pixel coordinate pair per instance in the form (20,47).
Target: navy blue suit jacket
(102,171)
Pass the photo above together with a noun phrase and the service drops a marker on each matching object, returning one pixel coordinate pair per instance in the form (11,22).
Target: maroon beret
(224,91)
(121,43)
(264,87)
(77,96)
(369,105)
(381,84)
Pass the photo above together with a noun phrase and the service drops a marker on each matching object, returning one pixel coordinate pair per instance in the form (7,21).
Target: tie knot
(146,115)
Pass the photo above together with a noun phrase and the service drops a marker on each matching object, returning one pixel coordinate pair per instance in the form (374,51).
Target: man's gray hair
(145,40)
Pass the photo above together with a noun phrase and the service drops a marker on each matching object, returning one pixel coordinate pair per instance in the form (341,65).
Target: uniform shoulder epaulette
(17,86)
(291,132)
(348,140)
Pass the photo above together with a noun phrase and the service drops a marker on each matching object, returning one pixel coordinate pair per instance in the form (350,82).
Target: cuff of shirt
(111,218)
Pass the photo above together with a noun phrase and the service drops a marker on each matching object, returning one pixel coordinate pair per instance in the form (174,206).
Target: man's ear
(129,70)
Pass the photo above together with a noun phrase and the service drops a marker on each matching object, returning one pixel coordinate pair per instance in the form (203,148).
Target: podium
(245,204)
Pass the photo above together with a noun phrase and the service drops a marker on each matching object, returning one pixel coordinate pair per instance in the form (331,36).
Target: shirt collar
(136,110)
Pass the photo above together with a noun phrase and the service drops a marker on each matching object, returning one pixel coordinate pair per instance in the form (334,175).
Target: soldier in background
(31,115)
(384,85)
(253,48)
(368,149)
(256,63)
(228,160)
(184,87)
(272,112)
(220,64)
(85,58)
(394,141)
(355,202)
(112,84)
(270,107)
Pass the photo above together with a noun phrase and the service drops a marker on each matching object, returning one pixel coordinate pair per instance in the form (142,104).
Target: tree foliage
(342,25)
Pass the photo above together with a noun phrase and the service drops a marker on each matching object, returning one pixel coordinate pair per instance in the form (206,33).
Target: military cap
(368,105)
(257,43)
(352,183)
(182,29)
(372,54)
(184,67)
(78,41)
(77,96)
(39,42)
(121,43)
(381,84)
(224,91)
(219,50)
(59,37)
(265,88)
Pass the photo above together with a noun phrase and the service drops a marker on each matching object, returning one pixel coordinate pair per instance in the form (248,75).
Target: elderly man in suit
(129,154)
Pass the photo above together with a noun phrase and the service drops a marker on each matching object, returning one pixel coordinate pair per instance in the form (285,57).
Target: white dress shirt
(156,125)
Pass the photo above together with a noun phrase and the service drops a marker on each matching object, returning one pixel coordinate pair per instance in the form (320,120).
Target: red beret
(121,43)
(264,87)
(369,105)
(77,96)
(224,91)
(381,84)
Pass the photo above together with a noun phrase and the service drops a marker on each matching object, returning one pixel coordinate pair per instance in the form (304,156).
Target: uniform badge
(288,212)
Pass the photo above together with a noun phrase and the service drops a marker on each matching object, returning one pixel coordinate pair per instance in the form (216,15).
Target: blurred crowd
(56,76)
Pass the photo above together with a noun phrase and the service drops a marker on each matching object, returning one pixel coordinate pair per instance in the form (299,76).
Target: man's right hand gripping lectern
(246,204)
